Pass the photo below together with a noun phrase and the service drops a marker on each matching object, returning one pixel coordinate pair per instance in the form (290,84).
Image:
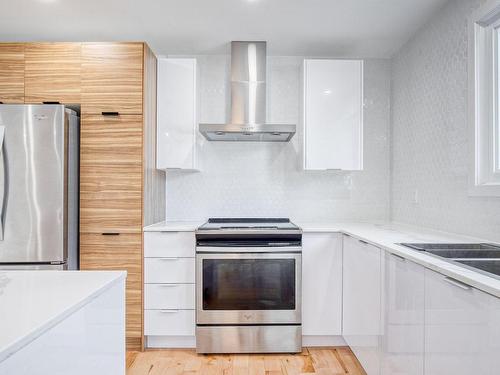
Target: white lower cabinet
(402,343)
(169,322)
(462,328)
(169,289)
(362,296)
(401,318)
(169,296)
(322,284)
(169,270)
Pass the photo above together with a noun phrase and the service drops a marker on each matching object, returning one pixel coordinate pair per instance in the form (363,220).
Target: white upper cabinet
(321,284)
(177,113)
(333,114)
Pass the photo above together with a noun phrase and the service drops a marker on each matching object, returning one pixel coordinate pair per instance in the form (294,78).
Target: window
(484,84)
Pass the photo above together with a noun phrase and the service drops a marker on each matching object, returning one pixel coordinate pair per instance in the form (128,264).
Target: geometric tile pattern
(265,179)
(431,141)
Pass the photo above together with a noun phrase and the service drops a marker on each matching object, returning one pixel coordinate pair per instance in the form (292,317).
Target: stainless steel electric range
(248,286)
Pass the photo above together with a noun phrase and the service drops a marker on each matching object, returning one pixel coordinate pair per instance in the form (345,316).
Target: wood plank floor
(323,361)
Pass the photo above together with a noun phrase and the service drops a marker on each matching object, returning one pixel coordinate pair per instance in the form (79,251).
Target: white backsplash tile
(430,134)
(264,179)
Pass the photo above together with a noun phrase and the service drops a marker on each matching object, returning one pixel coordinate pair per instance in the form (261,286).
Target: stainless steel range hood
(248,100)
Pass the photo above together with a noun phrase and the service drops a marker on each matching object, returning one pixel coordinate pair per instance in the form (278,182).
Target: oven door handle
(215,255)
(238,250)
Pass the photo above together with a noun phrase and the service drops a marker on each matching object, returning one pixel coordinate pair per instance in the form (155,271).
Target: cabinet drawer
(111,174)
(11,73)
(169,322)
(112,75)
(169,244)
(53,72)
(169,296)
(169,270)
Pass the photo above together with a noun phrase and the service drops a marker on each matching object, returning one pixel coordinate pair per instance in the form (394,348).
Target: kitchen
(293,195)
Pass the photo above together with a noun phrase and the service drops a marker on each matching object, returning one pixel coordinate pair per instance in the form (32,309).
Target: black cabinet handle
(110,234)
(51,102)
(110,113)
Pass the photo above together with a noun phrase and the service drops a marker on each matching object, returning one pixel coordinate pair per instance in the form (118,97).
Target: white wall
(430,131)
(263,179)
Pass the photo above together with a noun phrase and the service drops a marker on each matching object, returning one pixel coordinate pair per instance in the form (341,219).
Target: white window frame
(483,101)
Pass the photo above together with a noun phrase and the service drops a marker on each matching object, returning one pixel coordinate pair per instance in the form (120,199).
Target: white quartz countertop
(173,226)
(385,236)
(31,302)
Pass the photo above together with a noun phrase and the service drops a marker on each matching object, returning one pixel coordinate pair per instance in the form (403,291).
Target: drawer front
(169,296)
(11,73)
(53,72)
(169,322)
(111,174)
(169,270)
(169,244)
(112,76)
(122,252)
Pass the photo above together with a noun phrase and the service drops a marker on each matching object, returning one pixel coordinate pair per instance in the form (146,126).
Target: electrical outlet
(415,196)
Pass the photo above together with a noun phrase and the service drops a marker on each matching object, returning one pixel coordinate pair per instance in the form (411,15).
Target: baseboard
(172,342)
(184,342)
(323,341)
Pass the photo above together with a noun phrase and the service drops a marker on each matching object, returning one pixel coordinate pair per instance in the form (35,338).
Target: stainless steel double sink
(481,256)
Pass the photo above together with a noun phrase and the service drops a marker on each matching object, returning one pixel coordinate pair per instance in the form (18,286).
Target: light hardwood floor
(324,361)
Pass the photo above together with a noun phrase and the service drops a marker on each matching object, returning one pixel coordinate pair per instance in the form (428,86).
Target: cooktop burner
(248,224)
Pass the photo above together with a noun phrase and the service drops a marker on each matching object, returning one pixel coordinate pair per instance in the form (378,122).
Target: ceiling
(356,28)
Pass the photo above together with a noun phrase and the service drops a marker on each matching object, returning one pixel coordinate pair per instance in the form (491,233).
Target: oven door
(248,288)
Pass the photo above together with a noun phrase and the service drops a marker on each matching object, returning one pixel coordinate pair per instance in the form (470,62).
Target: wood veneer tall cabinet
(52,73)
(11,73)
(120,189)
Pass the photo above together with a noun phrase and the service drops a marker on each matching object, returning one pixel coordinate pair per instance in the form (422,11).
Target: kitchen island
(60,322)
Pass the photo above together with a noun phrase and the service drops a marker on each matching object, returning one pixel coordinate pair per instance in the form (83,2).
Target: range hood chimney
(248,100)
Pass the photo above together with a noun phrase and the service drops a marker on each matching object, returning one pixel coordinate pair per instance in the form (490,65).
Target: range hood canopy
(248,100)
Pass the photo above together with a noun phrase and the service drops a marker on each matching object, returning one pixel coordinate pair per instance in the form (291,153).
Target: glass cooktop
(248,223)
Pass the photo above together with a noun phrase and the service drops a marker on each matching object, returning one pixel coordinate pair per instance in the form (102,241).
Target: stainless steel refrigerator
(39,162)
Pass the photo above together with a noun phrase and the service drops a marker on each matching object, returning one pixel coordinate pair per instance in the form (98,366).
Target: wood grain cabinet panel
(119,252)
(53,72)
(112,77)
(111,174)
(11,73)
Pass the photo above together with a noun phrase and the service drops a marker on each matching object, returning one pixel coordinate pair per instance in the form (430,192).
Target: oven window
(249,284)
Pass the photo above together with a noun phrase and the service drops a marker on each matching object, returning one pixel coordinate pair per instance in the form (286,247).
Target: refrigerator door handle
(3,180)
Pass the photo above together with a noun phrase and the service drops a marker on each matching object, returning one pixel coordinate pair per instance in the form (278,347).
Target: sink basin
(451,246)
(458,251)
(481,256)
(487,265)
(466,254)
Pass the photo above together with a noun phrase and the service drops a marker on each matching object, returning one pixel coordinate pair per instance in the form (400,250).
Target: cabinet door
(322,284)
(333,114)
(462,328)
(112,75)
(111,174)
(177,120)
(362,302)
(53,72)
(119,252)
(403,328)
(11,73)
